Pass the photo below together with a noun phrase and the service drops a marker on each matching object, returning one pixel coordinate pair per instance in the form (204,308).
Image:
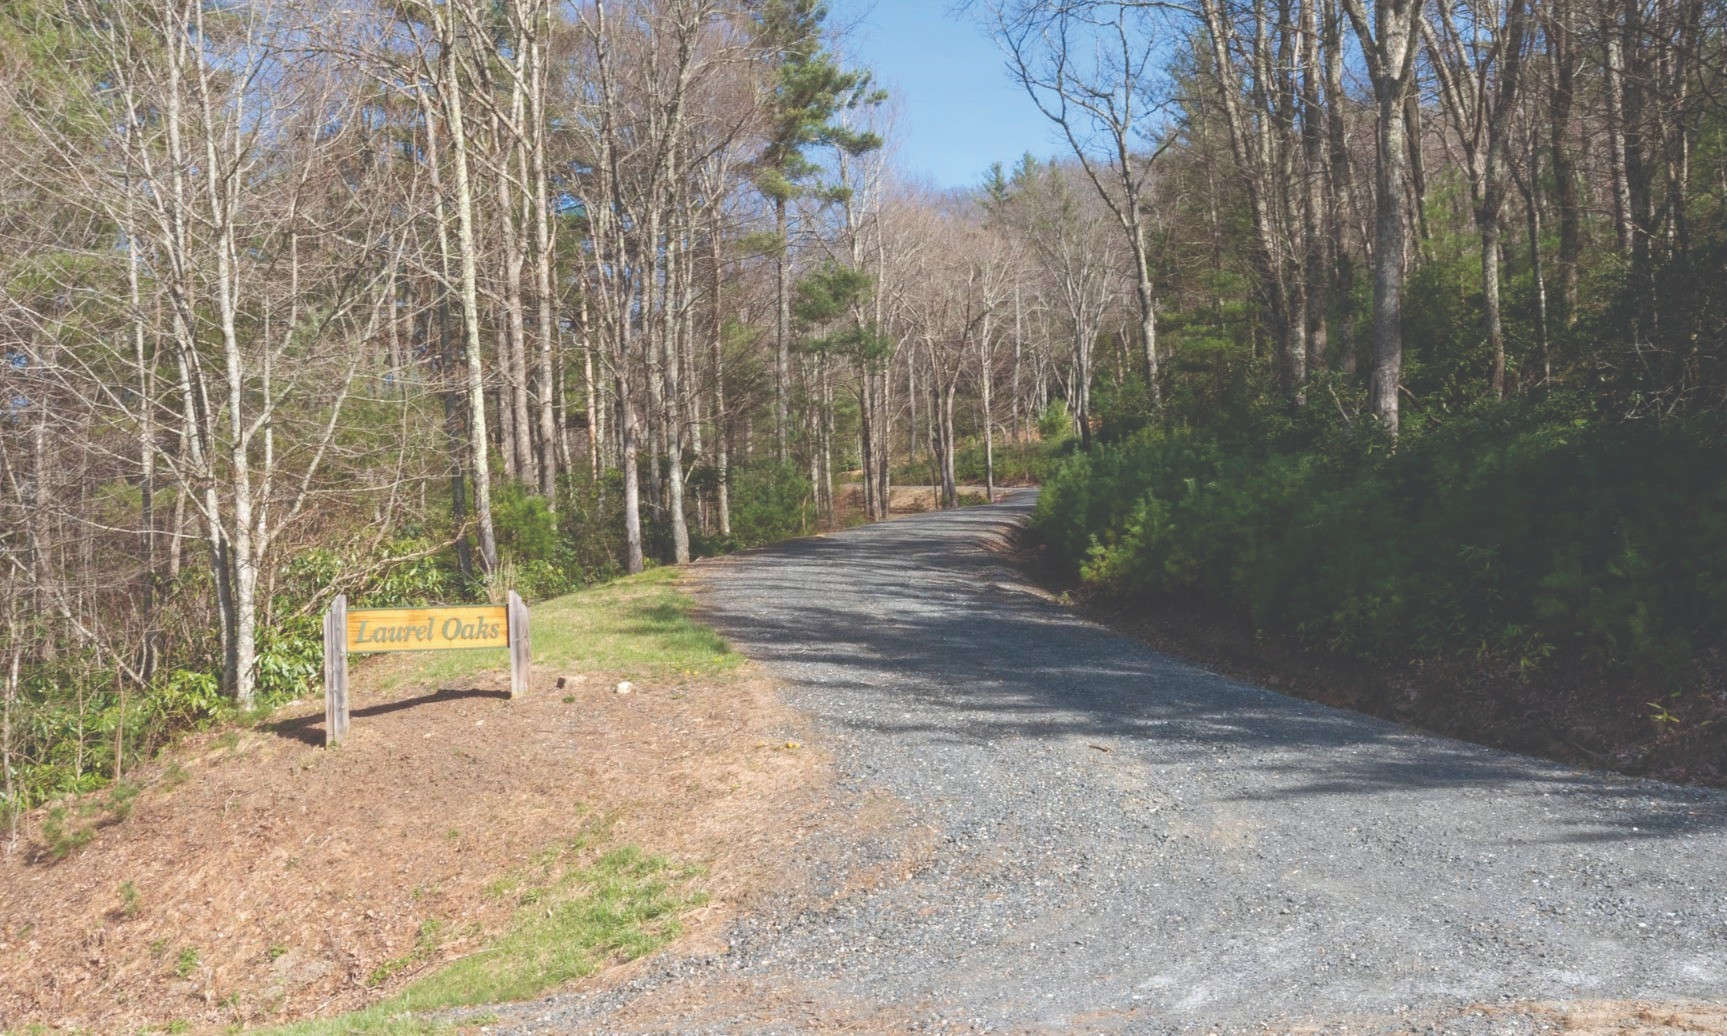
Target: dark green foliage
(1056,422)
(1527,531)
(591,523)
(810,92)
(1446,360)
(770,502)
(524,524)
(829,291)
(1120,408)
(421,572)
(825,296)
(186,699)
(1677,357)
(290,659)
(531,545)
(1016,463)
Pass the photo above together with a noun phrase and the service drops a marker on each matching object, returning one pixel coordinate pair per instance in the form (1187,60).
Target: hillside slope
(256,877)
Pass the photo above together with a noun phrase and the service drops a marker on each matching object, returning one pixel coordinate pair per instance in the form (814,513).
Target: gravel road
(1117,839)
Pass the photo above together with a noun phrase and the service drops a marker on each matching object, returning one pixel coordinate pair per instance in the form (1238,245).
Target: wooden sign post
(416,629)
(516,618)
(336,672)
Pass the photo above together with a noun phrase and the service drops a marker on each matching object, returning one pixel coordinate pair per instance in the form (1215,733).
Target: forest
(1389,328)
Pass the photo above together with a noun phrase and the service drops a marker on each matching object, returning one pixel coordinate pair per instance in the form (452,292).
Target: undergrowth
(1529,533)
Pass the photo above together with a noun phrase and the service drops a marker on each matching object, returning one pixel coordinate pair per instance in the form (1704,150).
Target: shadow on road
(917,611)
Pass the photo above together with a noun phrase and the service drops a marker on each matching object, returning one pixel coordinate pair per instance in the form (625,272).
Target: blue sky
(957,109)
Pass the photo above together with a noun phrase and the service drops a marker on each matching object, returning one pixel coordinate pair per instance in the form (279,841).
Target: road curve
(1124,840)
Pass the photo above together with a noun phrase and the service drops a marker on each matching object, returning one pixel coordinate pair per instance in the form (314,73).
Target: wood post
(336,672)
(519,653)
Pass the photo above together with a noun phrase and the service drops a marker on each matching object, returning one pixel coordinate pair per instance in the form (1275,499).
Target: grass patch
(425,945)
(66,828)
(130,901)
(588,912)
(639,624)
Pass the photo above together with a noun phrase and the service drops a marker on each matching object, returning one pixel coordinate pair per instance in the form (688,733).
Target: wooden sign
(428,629)
(416,629)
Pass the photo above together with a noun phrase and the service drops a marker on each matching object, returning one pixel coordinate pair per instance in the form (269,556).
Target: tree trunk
(479,461)
(1147,308)
(826,428)
(1415,165)
(1490,301)
(984,380)
(1390,253)
(547,308)
(782,320)
(13,810)
(590,385)
(1340,198)
(1532,212)
(935,426)
(866,448)
(1082,386)
(884,421)
(1614,88)
(1313,200)
(949,485)
(1019,424)
(722,466)
(633,561)
(1389,45)
(144,358)
(512,335)
(242,648)
(672,368)
(1563,61)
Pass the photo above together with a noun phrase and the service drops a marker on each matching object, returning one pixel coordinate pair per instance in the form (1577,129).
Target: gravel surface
(1117,839)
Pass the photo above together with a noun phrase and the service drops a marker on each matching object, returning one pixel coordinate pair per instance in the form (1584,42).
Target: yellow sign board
(416,629)
(428,629)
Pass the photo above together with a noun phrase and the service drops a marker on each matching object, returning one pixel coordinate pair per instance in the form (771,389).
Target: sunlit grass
(574,915)
(639,624)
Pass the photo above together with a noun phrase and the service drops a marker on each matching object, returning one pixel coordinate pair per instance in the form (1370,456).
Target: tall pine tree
(811,93)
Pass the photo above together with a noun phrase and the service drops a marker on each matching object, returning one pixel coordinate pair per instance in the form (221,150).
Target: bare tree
(1102,103)
(1477,49)
(1388,43)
